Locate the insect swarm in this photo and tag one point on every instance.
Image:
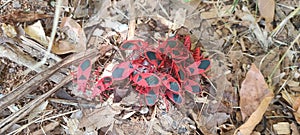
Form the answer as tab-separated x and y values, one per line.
166	71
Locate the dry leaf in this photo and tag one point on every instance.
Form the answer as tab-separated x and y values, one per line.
254	99
255	118
36	32
76	39
267	10
101	117
253	90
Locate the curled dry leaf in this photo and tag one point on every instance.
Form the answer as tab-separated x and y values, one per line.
254	99
36	32
76	39
267	10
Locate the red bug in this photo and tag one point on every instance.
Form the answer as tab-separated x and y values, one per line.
175	97
166	46
83	74
154	58
102	85
197	54
198	67
171	83
146	79
192	86
151	96
187	42
179	72
123	70
133	45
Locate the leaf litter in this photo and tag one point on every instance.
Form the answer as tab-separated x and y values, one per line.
245	46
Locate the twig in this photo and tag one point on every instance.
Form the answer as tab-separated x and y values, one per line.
53	33
34	82
151	121
5	3
15	117
131	24
20	58
38	47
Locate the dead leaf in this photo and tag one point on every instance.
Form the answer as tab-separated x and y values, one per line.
253	90
76	39
36	32
101	117
254	99
255	118
267	10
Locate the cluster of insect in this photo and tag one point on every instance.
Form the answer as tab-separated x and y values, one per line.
166	70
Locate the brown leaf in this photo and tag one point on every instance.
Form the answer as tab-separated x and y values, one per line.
267	10
76	40
101	117
255	118
253	90
254	99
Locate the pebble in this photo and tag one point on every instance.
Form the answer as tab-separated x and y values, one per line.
16	4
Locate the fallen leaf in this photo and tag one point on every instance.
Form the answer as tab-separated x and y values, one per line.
255	98
36	32
101	117
267	10
76	39
253	90
255	118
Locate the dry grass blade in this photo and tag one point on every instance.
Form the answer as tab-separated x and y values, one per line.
283	22
282	58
